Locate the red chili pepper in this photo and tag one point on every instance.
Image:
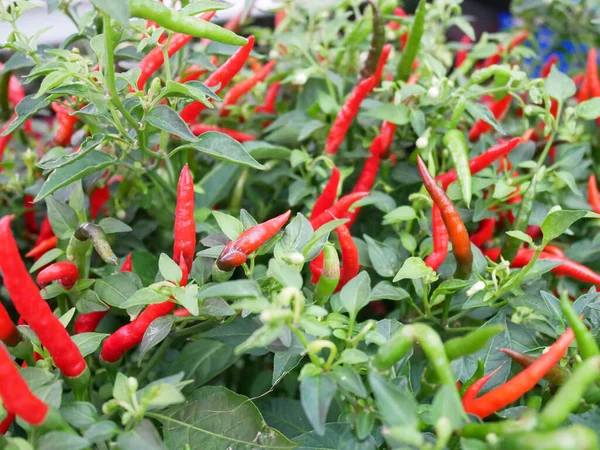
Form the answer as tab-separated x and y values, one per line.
499	110
7	422
398	12
473	391
222	76
181	312
280	16
461	55
554	250
350	257
385	53
155	58
567	268
518	39
88	322
548	66
270	98
192	73
583	93
329	194
98	198
8	331
388	130
440	239
199	128
236	252
592	73
43	247
593	194
461	244
45	231
16	396
65	273
245	86
482	161
347	114
130	335
66	124
29	214
34	309
521	383
338	210
185	223
484	233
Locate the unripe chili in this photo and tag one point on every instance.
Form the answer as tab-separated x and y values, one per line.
461	244
33	309
66	273
185	223
585	341
472	342
199	128
377	41
234	94
236	252
413	42
574	437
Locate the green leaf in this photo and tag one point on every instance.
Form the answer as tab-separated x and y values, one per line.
80	414
110	226
188	298
521	236
316	394
285	274
145	296
53	161
400	214
90	163
356	293
214	417
221	146
557	222
398	114
60	440
348	378
156	332
414	268
116	289
88	343
193	90
397	407
46	259
481	112
559	86
588	110
26	108
52	80
320	234
166	119
62	218
169	269
285	415
230	289
116	9
229	225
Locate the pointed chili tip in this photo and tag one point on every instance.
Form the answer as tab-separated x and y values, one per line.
7	219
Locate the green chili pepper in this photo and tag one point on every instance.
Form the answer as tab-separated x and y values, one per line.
472	342
482	75
507	427
91	231
330	275
512	244
413	43
175	21
455	141
585	341
569	396
377	42
575	437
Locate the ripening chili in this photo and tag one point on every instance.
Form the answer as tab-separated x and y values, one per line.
593	194
347	113
499	110
461	244
245	86
65	273
377	41
34	309
338	210
236	252
199	128
185	223
329	194
557	375
523	382
222	77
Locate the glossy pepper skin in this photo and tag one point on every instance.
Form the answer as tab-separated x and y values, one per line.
440	239
350	257
511	245
66	273
130	335
472	342
499	110
43	247
485	232
66	124
521	383
461	244
185	224
222	77
338	210
238	90
8	332
34	309
329	194
329	276
593	194
16	396
236	252
347	113
199	128
155	58
88	322
473	391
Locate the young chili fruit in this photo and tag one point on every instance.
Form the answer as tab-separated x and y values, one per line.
461	244
574	437
236	252
221	77
16	396
237	91
175	21
472	342
8	332
34	309
585	341
66	273
512	244
347	113
199	128
329	194
413	43
329	276
557	375
523	382
185	223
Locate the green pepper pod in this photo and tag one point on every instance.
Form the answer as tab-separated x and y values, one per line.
569	396
482	75
456	143
472	342
585	341
576	437
180	23
413	43
96	234
512	244
506	427
330	275
377	42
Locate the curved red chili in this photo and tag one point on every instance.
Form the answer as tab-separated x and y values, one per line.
43	247
222	77
8	331
473	391
388	130
234	94
499	110
66	124
329	194
485	232
440	239
338	210
185	223
350	257
385	53
236	252
200	128
593	194
65	273
34	309
548	66
347	113
270	99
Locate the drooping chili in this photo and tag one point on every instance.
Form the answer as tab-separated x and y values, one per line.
245	86
593	194
350	261
185	223
338	210
8	332
329	277
65	273
557	375
440	239
485	232
200	128
268	107
43	247
329	194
